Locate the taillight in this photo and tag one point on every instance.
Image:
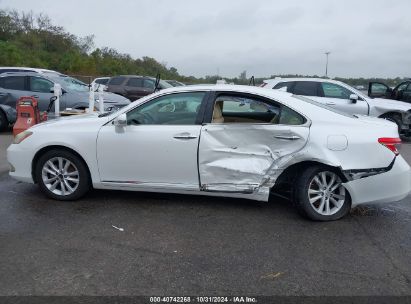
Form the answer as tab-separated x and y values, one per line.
390	143
263	84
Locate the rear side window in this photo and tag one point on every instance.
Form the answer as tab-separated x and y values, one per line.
290	117
116	80
306	88
135	82
250	109
13	83
285	86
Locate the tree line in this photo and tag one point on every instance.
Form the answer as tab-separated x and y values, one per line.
33	40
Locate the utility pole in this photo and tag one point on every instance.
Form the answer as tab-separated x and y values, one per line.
326	64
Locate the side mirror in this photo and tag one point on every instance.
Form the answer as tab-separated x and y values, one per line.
354	98
120	121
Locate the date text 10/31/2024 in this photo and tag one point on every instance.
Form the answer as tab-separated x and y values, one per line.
203	299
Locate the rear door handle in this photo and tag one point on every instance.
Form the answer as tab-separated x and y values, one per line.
35	96
184	135
287	137
330	103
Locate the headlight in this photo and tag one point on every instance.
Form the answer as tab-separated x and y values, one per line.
21	136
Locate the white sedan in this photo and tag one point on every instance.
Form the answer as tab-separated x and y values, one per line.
233	141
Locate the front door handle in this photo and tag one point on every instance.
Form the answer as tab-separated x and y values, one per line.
184	135
287	137
330	103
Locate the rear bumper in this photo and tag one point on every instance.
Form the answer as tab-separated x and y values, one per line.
391	186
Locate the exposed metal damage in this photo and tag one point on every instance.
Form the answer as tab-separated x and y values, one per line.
247	159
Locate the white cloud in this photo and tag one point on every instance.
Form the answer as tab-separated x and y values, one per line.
366	38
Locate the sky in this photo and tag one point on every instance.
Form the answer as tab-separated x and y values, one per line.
367	38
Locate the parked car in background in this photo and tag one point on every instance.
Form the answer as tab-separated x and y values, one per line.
41	86
342	97
381	90
175	83
233	141
134	87
100	82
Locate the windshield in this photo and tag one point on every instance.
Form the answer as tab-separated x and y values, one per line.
164	85
70	83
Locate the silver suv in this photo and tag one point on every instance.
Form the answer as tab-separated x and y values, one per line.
40	86
342	97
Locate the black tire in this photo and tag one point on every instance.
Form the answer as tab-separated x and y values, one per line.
302	199
397	120
4	123
83	176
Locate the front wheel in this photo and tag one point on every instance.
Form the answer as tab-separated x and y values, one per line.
320	195
62	175
4	123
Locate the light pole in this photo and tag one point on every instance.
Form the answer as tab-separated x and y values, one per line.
326	64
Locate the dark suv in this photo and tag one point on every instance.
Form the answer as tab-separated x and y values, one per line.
134	87
401	92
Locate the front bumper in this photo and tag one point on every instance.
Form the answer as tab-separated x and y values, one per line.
391	186
20	159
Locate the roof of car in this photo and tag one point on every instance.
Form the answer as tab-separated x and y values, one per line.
280	79
136	76
30	73
37	70
295	102
229	88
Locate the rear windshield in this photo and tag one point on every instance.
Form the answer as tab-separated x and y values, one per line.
318	104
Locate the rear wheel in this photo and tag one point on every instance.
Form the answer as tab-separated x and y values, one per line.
62	175
320	195
4	123
397	120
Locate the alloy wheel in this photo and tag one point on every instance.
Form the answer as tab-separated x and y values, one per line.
60	176
326	193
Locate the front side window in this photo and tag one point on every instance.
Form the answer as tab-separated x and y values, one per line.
173	109
306	88
249	109
332	90
38	84
149	83
13	83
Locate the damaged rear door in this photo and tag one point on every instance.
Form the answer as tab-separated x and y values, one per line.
248	137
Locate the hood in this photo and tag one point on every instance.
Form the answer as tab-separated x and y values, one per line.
113	98
109	98
85	119
389	104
